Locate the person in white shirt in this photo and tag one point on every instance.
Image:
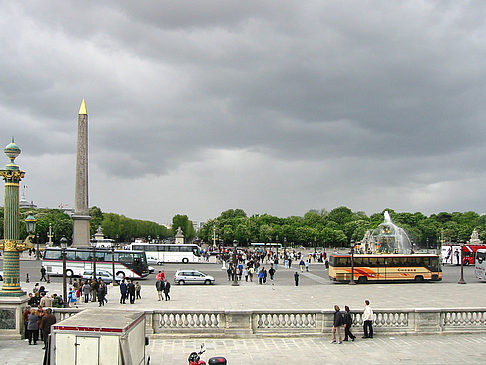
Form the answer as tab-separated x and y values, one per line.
368	320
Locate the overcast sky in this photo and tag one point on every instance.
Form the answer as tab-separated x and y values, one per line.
273	107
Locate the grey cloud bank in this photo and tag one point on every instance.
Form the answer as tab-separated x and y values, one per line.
279	107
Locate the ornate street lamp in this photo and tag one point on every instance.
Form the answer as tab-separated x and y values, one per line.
461	280
235	277
352	282
63	242
30	223
11	244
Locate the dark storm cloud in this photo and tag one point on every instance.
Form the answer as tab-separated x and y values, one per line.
356	87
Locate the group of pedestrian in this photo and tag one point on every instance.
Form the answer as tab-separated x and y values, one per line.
38	321
345	320
129	290
162	286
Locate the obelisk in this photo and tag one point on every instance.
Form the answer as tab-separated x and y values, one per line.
81	218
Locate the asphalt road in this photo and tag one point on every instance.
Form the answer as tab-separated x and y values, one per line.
283	276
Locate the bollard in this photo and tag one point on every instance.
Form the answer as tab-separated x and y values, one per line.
27	278
48	279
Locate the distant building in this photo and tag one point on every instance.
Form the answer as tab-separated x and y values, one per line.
24	203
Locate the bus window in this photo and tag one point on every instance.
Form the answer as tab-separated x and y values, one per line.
377	261
343	261
138	247
150	248
185	248
53	255
100	256
71	255
480	256
162	248
125	257
195	251
173	248
434	264
83	256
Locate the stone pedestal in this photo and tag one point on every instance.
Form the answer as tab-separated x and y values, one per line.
81	230
11	321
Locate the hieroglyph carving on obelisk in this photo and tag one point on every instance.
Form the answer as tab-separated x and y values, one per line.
81	218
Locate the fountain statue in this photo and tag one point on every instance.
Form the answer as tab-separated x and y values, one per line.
387	238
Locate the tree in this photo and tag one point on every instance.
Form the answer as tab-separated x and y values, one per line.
185	224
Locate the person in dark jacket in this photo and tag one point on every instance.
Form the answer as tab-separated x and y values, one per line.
101	292
46	322
123	292
131	291
166	289
348	322
336	325
296	278
159	285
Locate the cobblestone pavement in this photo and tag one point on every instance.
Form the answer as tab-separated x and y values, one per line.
433	349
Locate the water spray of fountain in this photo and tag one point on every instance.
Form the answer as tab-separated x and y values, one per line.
387	238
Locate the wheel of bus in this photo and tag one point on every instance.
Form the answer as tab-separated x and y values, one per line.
362	280
466	263
207	282
185	260
181	282
121	273
159	263
69	273
419	278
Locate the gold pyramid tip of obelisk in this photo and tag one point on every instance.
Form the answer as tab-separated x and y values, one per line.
82	108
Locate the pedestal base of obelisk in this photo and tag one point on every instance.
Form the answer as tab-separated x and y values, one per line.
81	230
11	321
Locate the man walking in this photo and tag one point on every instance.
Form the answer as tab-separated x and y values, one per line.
296	278
43	274
131	291
166	289
271	272
368	320
336	325
46	322
123	292
348	322
159	285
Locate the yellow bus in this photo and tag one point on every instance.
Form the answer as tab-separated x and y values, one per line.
385	267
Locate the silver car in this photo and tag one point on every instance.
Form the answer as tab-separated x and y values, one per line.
188	276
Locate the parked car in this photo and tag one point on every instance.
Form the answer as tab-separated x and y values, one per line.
105	275
186	276
153	261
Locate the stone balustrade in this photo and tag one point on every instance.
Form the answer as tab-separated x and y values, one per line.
278	323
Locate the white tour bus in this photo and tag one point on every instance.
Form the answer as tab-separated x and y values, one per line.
130	264
157	253
480	264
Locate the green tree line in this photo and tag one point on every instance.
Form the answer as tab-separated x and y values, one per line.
339	227
115	226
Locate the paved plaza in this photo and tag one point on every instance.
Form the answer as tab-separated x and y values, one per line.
436	349
316	294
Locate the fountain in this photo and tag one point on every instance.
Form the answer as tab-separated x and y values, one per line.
387	238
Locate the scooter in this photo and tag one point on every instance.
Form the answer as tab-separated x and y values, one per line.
195	358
